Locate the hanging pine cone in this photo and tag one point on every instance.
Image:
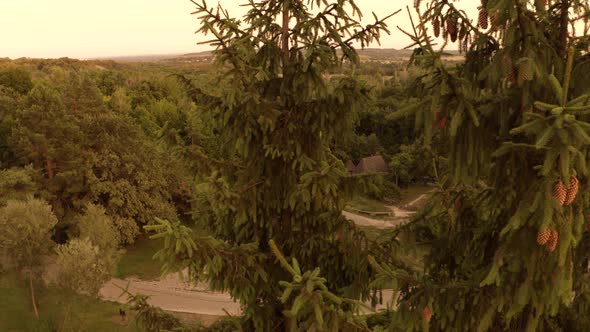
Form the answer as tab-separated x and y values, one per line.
524	72
482	20
572	191
494	21
559	192
426	314
452	28
543	236
553	241
512	75
436	27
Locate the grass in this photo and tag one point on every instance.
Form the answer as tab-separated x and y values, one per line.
138	259
363	203
82	313
411	193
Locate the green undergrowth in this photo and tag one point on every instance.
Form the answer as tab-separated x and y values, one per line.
58	311
362	203
138	259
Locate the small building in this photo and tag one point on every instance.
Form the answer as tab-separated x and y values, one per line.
350	166
373	164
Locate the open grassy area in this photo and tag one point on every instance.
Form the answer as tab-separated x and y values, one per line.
411	193
58	311
138	259
366	204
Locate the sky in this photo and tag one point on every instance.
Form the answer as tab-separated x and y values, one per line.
101	28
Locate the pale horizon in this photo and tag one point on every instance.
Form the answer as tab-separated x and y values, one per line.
115	28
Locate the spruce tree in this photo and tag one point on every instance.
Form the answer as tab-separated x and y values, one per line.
509	248
279	116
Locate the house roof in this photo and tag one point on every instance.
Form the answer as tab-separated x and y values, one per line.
373	164
350	166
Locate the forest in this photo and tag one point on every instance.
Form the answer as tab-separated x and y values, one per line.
306	179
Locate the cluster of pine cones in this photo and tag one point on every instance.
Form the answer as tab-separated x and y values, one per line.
485	19
549	237
521	73
450	27
566	196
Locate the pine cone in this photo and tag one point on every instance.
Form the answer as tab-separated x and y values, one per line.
559	192
462	32
494	21
553	241
452	28
572	191
512	75
483	18
508	68
426	314
436	27
543	236
524	72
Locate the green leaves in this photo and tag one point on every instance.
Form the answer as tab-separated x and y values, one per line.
312	306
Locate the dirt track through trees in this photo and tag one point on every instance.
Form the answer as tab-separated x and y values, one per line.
173	294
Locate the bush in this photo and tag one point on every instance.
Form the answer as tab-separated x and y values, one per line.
84	267
99	228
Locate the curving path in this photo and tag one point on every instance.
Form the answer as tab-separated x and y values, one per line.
173	294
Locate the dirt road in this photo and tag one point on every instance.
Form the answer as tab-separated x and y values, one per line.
172	294
368	221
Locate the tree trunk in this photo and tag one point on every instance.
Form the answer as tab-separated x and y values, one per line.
565	5
49	167
33	294
285	36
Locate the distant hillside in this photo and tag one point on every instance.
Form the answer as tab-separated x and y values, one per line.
138	58
368	54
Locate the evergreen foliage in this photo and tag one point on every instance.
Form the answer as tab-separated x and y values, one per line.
282	182
517	127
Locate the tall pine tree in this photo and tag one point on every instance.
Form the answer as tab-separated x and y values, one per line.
508	244
282	182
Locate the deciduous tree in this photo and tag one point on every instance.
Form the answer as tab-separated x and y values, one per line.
25	239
